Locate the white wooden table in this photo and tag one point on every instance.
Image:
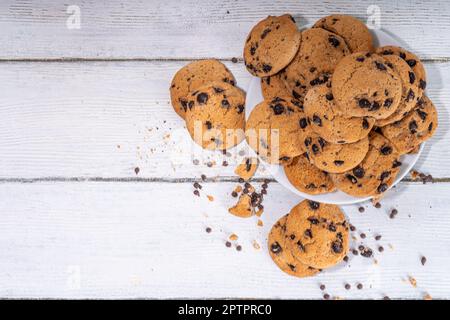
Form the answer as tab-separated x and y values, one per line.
81	108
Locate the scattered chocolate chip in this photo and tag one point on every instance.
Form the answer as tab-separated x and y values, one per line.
378	237
362	235
386	298
423	260
393	213
378	205
322	287
380	249
361	209
352	228
326	296
208	230
228	244
359	286
197	193
347	286
234	60
366	252
346	259
136	170
355	252
203	177
234	194
197	185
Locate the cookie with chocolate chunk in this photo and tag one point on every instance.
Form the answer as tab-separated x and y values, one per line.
410	89
336	158
418	126
274	86
280	254
271	45
215	116
375	174
412	60
317	234
194	75
326	119
355	33
308	178
363	85
275	128
315	61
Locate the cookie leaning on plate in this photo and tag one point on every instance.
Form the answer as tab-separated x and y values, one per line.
194	75
317	234
363	85
326	120
353	31
271	45
375	174
274	130
306	177
215	116
319	53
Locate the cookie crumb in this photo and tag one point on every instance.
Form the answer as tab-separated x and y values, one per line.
427	296
233	237
260	223
256	245
413	281
259	212
210	198
247	168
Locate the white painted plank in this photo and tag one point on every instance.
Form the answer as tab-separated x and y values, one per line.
133	240
173	29
94	120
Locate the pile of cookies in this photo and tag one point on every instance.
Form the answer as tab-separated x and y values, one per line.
205	95
311	237
343	111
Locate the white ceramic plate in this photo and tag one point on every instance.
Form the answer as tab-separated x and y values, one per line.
254	96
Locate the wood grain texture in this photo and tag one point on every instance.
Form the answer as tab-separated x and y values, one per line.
133	240
104	119
32	29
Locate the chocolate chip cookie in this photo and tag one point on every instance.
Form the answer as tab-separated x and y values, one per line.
418	125
375	174
308	178
317	234
319	53
353	31
410	89
327	120
411	59
274	86
274	129
215	116
271	45
280	254
194	75
335	158
363	85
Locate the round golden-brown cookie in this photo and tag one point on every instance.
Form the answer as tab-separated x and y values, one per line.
306	177
410	89
335	158
353	31
418	125
363	85
194	75
319	53
274	86
271	45
282	257
326	120
274	129
375	174
317	234
411	59
215	116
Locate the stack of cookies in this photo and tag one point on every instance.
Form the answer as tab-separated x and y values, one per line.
337	112
311	237
205	95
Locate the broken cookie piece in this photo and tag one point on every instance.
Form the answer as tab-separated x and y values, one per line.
243	207
247	168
